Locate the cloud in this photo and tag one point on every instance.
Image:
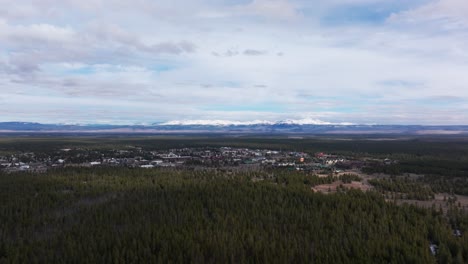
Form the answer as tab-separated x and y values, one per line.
448	99
228	53
36	33
31	45
235	52
447	14
146	61
400	83
116	35
253	52
282	9
172	48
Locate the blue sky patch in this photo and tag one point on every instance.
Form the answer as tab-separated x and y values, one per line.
162	67
371	14
87	70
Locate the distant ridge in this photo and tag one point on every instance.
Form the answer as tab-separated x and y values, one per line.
306	121
303	126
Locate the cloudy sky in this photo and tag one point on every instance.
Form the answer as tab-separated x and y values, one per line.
146	61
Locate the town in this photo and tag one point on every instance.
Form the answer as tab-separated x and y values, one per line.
63	182
205	157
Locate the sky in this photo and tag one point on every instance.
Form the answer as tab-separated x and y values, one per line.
149	61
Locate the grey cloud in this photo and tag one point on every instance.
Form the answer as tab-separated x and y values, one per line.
70	83
4	68
401	83
228	53
123	39
84	86
17	11
103	32
26	68
172	48
274	9
34	34
34	45
446	99
234	52
187	46
19	68
253	52
53	38
231	53
103	90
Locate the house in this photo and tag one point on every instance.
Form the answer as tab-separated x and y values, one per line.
319	155
434	248
157	162
24	167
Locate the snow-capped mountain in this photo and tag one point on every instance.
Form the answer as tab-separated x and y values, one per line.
310	121
214	123
291	126
307	121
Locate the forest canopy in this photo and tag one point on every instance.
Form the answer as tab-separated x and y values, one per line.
135	215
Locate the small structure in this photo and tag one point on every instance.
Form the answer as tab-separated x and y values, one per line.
24	167
434	248
157	162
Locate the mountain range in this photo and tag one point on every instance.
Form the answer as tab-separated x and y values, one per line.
303	126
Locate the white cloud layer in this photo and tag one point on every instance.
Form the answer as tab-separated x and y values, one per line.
358	61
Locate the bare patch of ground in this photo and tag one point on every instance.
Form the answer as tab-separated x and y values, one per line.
331	188
323	175
441	200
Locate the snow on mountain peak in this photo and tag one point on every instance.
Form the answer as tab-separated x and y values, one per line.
310	121
206	122
213	123
306	121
